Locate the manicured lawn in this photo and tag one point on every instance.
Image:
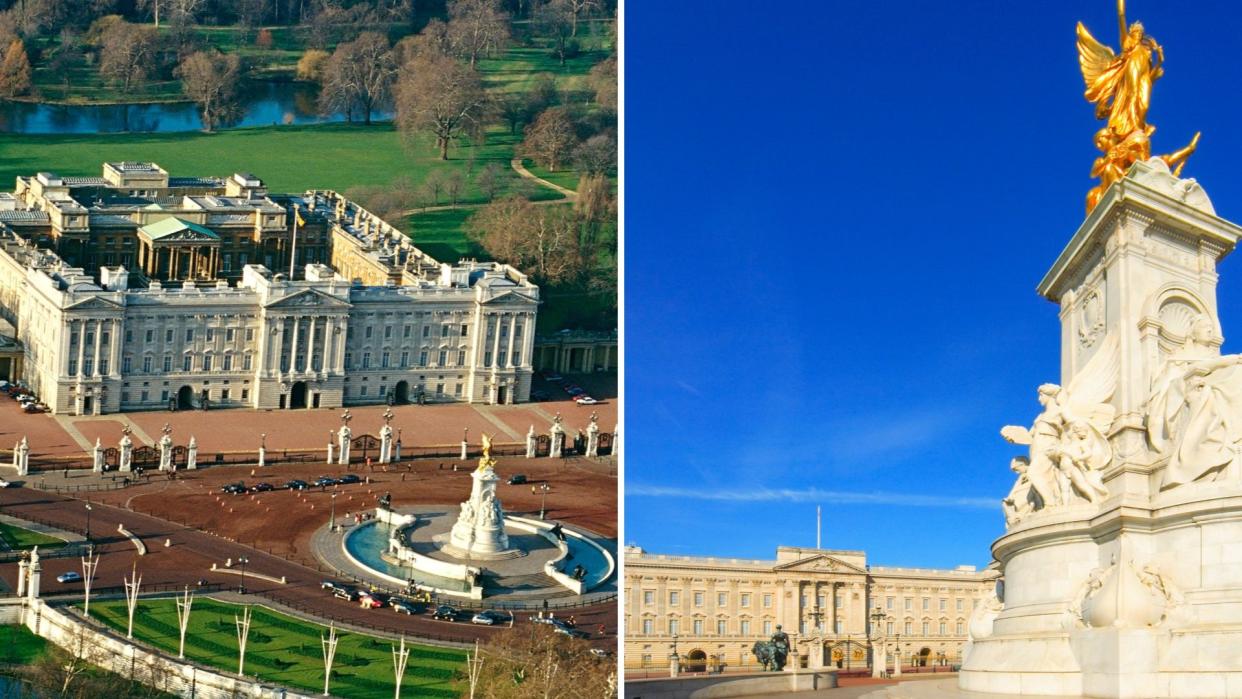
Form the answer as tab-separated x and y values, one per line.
440	234
19	646
288	651
287	158
19	538
566	177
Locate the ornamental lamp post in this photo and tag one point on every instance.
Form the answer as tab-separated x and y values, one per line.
88	524
243	561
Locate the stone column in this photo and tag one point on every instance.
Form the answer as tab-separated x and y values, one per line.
191	455
465	450
21	457
897	663
310	350
98	349
385	454
331	445
592	445
23	569
674	665
343	439
530	443
496	343
166	453
33	575
114	361
81	352
127	454
293	351
558	438
509	350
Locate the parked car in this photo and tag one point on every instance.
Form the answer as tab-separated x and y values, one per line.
401	606
33	407
370	600
574	390
297	485
346	593
261	487
324	481
489	618
237	488
5	484
567	630
517	479
70	577
444	613
328	585
552	376
585	400
601	652
349	478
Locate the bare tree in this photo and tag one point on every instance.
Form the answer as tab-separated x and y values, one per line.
489	180
603	80
127	53
359	73
453	184
67	57
580	9
550	666
597	155
543	239
210	79
433	184
557	21
441	96
477	28
551	138
432	40
15	70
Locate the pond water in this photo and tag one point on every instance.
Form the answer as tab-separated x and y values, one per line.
368	541
264	103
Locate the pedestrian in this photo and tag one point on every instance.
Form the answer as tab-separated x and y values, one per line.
601	629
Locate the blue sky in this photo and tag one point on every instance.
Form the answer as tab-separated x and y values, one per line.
836	216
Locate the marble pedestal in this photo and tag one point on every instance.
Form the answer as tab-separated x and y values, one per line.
480	529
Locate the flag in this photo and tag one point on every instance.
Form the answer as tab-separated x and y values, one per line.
298	213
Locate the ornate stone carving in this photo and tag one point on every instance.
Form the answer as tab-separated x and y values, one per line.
1123	595
1091	318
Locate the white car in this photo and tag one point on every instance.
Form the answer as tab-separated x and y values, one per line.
71	576
5	484
586	400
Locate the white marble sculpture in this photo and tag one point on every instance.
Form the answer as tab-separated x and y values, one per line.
343	436
191	455
558	436
1120	556
21	457
480	528
97	457
592	445
385	454
530	442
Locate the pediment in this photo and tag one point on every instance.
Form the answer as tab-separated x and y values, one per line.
187	235
820	563
510	298
95	303
308	298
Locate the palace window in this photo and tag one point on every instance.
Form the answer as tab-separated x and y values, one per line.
406	333
767	627
246	362
245	394
909	604
229	335
422	358
767	600
722	599
648	597
349	360
189	334
464	329
168	335
384	360
366	360
959	628
517	359
673	627
943	604
88	366
698	599
889	629
368	332
211	335
909	628
698	627
442	359
647	627
167	363
249	334
206	362
487	359
721	627
405	359
674	598
387	332
103	367
228	362
461	358
745	599
126	364
926	604
501	361
150	336
888	603
944	631
73	367
959	604
439	389
745	627
426	331
129	335
185	362
144	396
444	331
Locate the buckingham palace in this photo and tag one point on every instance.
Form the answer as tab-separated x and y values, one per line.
831	602
137	291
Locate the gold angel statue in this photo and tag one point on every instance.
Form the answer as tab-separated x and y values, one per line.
1120	87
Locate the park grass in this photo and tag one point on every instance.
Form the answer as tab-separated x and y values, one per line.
286	650
287	158
19	645
19	538
565	177
441	234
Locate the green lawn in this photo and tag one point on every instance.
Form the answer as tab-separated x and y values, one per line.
19	646
18	538
566	177
287	158
440	234
287	651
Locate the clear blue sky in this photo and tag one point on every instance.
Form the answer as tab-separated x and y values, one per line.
836	216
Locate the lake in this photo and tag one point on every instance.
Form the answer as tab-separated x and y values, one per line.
265	104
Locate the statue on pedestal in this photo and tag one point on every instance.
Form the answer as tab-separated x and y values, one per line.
166	449
127	450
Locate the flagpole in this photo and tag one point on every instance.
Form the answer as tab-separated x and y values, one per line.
293	250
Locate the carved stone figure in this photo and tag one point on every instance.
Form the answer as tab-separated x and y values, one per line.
1082	454
1192	410
1023	499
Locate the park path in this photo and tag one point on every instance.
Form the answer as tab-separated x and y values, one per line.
521	170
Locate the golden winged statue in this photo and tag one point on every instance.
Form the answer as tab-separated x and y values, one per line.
1119	85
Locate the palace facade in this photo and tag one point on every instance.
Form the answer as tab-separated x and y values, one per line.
137	290
826	600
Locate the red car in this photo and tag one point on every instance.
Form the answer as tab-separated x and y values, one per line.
370	600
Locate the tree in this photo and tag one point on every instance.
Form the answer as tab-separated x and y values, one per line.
15	70
432	40
551	138
488	180
67	57
579	9
433	184
556	20
439	95
210	79
127	52
549	665
453	185
603	80
477	27
543	239
359	73
597	155
311	65
264	39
